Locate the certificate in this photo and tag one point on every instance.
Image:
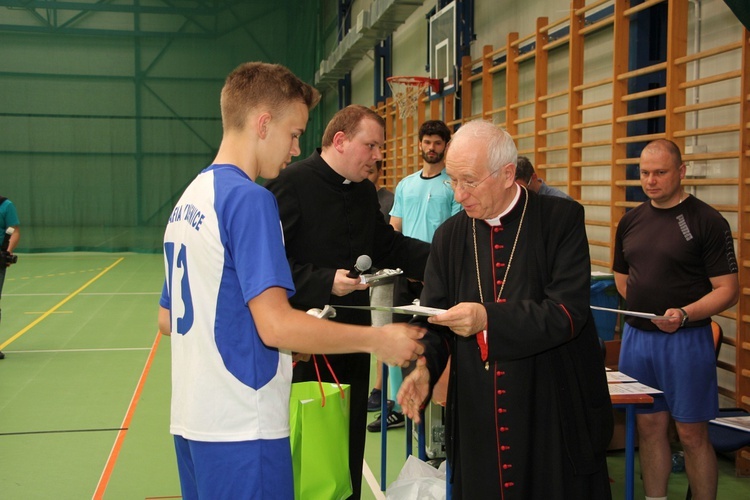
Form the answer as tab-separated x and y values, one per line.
630	313
408	309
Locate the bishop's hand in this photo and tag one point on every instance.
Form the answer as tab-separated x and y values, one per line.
465	319
414	391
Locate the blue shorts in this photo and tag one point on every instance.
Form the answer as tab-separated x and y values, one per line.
681	364
259	469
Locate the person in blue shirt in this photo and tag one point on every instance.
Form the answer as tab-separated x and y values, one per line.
423	201
8	219
525	176
385	196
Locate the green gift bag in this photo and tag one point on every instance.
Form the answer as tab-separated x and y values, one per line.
319	435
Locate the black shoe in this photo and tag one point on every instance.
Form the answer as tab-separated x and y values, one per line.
373	402
394	420
2	356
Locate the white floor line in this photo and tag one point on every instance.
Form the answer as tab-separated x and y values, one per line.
90	293
371	481
33	294
36	351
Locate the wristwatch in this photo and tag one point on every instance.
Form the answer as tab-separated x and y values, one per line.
685	317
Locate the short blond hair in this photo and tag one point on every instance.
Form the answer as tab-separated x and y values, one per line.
255	84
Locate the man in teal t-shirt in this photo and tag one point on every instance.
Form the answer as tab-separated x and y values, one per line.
423	201
8	218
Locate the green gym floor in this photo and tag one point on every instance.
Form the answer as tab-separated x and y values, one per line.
84	388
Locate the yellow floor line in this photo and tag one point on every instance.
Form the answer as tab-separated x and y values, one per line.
58	305
44	312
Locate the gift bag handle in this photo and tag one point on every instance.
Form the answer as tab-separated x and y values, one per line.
320	382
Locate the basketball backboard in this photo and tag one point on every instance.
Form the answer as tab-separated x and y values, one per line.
443	45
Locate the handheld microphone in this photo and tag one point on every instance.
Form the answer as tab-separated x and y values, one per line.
364	262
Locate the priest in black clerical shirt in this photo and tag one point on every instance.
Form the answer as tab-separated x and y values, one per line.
330	216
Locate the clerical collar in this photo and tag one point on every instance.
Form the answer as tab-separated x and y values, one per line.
328	172
496	221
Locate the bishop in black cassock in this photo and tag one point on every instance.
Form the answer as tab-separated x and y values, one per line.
528	410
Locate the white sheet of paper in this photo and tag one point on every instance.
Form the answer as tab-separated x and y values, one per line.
614	376
742	423
422	310
408	309
632	388
629	313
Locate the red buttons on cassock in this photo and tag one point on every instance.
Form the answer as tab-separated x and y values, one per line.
499	282
498	246
498	264
501	391
507	466
508	484
497	229
500	373
502	410
503	429
504	448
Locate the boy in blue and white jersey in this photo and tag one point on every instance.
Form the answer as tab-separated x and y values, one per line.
225	301
217	264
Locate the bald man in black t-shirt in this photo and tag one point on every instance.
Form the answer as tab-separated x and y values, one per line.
674	257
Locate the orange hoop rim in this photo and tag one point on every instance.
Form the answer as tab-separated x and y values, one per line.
434	83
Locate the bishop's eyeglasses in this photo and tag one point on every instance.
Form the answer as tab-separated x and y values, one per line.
466	185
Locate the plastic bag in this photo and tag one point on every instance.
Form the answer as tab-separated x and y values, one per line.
418	479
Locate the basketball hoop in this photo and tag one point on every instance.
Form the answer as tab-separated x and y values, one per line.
406	91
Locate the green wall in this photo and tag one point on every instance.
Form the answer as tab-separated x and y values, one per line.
106	115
